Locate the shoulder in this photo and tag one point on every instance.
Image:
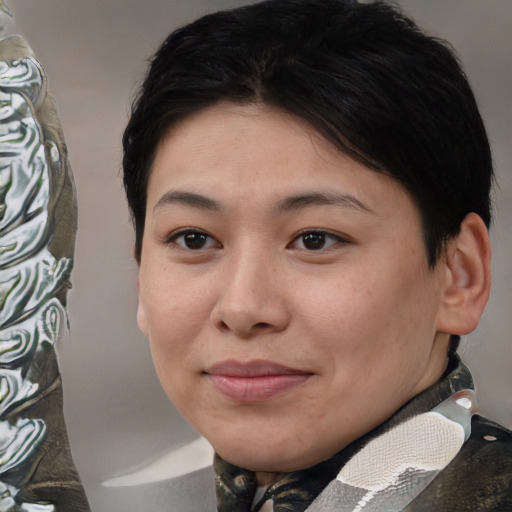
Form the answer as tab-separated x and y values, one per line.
489	437
486	458
478	479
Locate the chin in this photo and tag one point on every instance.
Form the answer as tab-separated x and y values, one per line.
269	454
260	462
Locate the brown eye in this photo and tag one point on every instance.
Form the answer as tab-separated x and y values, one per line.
315	240
193	240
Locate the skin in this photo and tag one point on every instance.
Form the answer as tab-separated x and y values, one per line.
335	286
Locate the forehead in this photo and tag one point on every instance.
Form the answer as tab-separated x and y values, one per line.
261	154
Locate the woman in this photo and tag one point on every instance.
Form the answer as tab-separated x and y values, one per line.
309	183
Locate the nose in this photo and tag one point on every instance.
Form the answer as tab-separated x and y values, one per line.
251	297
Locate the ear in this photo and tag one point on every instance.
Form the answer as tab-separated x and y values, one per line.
467	280
142	320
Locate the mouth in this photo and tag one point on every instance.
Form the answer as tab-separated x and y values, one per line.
254	381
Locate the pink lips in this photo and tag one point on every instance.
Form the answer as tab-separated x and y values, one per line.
255	381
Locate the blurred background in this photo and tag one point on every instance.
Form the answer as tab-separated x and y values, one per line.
95	53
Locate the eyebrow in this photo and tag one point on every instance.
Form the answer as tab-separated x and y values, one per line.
288	204
321	198
188	199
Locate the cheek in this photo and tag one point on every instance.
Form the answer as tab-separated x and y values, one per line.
342	307
175	314
364	311
175	322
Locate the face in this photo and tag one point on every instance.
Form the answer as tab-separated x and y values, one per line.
284	288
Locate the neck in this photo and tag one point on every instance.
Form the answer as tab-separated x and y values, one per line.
266	479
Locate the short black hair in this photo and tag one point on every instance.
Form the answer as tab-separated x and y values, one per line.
362	74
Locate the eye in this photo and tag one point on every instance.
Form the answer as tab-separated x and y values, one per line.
193	239
316	240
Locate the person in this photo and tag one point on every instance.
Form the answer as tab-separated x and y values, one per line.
309	183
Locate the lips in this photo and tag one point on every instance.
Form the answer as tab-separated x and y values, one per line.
255	381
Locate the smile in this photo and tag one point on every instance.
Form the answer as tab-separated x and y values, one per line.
255	381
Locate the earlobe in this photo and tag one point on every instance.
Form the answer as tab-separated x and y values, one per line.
467	280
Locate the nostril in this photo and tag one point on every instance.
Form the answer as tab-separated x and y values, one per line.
248	319
261	325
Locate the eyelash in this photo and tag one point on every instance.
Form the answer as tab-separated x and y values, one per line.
316	236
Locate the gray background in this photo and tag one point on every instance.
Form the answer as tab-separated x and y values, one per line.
94	52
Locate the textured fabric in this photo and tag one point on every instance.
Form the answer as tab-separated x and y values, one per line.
394	468
478	479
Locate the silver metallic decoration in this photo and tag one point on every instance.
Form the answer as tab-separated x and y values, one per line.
37	236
